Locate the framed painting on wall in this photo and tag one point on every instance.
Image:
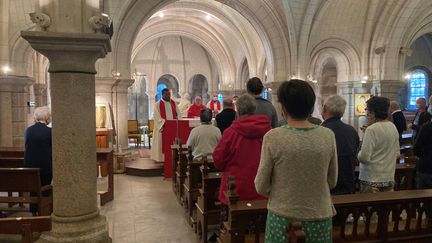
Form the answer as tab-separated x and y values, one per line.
360	104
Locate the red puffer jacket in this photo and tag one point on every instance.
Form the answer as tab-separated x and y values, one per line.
238	153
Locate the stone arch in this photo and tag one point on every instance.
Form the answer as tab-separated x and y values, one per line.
346	57
275	44
243	73
199	86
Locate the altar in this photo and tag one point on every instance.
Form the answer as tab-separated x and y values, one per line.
172	128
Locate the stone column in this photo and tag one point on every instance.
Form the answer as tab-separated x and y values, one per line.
274	86
14	94
108	90
388	88
72	59
152	94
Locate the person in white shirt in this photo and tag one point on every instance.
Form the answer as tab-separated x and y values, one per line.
165	109
204	138
379	150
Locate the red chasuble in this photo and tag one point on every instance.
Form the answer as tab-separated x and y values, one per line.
194	110
218	105
163	112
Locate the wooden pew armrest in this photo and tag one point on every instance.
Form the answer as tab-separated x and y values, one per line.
46	188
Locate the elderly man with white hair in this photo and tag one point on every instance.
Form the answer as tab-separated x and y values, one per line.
347	142
38	147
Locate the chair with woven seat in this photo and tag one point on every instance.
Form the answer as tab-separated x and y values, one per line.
134	132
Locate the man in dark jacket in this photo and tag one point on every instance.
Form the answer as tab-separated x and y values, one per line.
38	147
421	117
264	107
227	116
398	118
423	150
347	143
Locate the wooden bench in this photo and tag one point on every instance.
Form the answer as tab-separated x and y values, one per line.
402	216
24	181
25	226
208	204
405	175
179	175
11	157
192	184
246	219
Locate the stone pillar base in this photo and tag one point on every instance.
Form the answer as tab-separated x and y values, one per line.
93	230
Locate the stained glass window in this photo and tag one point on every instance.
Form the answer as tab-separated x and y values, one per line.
160	87
417	87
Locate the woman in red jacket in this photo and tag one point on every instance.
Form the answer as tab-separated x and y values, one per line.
239	150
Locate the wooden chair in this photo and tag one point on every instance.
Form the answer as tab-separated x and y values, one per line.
150	125
134	132
25	226
24	181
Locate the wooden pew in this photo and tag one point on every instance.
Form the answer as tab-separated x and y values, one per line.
11	157
25	226
246	219
402	216
104	157
184	155
208	205
404	176
24	181
191	188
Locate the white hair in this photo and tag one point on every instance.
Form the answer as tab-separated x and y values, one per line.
246	105
42	113
335	105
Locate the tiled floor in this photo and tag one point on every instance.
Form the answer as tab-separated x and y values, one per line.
145	210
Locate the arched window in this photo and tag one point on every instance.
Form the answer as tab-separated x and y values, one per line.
417	87
220	96
160	87
265	94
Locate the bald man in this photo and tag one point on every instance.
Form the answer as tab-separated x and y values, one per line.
421	117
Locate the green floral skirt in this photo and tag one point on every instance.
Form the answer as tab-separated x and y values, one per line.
315	231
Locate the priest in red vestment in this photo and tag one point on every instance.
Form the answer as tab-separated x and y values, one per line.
165	109
196	107
214	105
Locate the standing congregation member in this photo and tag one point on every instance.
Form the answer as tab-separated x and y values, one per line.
423	150
196	107
214	105
380	148
298	168
264	107
204	138
227	116
347	143
398	118
239	149
165	109
421	117
38	148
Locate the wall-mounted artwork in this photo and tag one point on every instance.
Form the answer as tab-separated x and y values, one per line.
100	116
360	104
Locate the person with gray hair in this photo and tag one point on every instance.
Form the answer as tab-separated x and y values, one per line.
38	148
239	150
204	138
227	116
347	143
398	118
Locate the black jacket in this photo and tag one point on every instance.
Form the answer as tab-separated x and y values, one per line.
38	147
423	118
423	149
225	118
347	143
400	122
